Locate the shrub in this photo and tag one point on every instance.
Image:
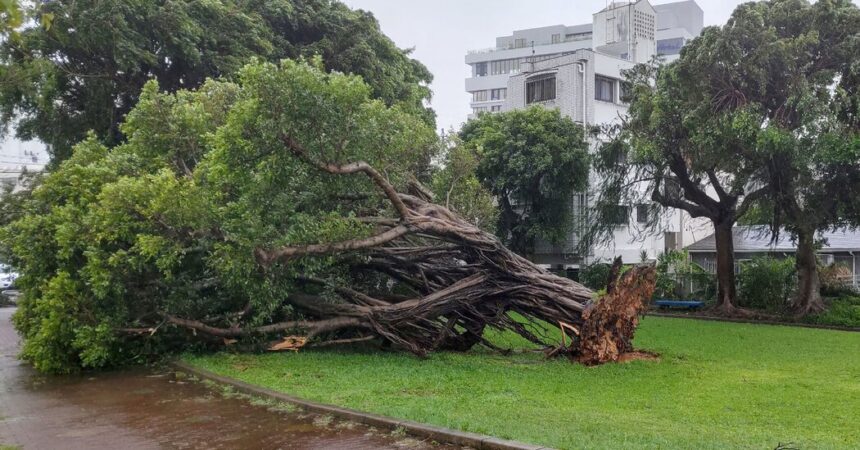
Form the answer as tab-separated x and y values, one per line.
676	273
766	283
843	311
595	275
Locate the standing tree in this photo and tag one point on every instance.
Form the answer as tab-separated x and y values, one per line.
764	106
671	149
86	69
785	74
533	161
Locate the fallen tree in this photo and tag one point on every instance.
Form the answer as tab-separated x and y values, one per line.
280	211
464	281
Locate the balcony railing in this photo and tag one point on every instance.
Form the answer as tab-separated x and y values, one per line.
536	44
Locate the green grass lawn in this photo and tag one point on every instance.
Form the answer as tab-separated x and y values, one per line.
718	386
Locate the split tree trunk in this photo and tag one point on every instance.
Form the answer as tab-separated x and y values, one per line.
807	299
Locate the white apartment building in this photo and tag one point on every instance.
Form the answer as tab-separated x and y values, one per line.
578	70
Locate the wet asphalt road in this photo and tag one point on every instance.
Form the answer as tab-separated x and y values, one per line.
143	409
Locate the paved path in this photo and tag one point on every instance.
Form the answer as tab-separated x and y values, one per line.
149	410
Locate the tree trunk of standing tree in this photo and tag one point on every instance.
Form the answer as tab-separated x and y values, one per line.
807	299
726	288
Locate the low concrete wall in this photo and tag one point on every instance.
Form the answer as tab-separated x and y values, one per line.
439	434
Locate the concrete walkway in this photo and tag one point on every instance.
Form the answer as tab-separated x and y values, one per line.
149	410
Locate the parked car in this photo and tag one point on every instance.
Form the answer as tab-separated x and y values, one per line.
7	280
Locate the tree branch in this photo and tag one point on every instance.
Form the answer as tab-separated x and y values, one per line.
313	328
715	182
351	168
750	199
347	293
266	258
693	209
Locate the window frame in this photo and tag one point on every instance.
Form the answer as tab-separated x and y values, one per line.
622	216
541	88
642	213
481	65
612	81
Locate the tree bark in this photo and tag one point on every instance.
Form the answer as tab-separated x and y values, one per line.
726	287
807	299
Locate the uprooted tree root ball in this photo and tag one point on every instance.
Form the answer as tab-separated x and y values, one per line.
466	282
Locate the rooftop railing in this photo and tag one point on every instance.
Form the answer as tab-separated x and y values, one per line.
536	44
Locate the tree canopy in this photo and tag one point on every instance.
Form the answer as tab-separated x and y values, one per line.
785	72
456	186
167	223
532	161
85	71
739	119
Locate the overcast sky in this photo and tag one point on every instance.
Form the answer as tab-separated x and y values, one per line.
441	31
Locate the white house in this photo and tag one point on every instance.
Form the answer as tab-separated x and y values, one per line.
579	71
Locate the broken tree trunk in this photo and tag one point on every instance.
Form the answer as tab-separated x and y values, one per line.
463	279
609	323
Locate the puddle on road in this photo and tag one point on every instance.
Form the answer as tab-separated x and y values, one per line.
143	409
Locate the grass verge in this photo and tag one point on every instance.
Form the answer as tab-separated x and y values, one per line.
718	385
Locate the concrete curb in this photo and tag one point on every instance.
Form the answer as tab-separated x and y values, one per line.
439	434
753	321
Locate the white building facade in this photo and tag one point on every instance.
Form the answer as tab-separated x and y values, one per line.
578	70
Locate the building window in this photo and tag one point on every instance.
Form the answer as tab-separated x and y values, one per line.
496	108
479	109
556	38
479	96
670	46
481	69
642	213
504	66
519	43
499	94
604	89
619	215
540	88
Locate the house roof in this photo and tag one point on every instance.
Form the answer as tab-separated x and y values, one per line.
756	239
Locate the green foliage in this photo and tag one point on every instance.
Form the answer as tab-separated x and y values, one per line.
709	372
595	275
457	187
532	161
76	74
676	274
766	283
11	16
167	223
841	311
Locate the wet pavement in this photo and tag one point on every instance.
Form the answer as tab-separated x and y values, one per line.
145	409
